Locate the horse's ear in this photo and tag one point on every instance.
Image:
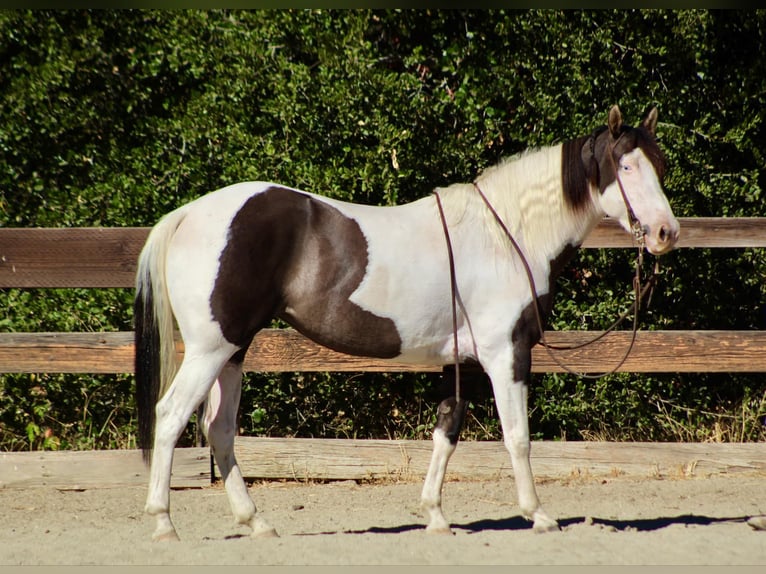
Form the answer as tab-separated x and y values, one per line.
615	121
650	121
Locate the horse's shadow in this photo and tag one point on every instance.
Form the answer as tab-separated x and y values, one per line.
638	524
520	523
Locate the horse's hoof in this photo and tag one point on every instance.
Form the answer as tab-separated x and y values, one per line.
439	529
168	536
541	526
757	522
265	533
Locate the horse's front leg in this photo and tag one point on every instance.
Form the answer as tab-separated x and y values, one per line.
509	382
449	420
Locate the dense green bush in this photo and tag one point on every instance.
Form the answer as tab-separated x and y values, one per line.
114	118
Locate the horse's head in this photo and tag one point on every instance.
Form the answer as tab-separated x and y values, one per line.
628	166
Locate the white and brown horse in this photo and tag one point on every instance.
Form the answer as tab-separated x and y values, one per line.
375	281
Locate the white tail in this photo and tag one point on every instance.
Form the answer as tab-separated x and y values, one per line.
154	326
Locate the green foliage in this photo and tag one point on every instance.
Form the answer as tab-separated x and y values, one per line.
116	117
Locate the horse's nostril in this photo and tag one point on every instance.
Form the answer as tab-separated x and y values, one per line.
667	234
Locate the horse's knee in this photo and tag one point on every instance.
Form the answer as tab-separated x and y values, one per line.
221	432
517	446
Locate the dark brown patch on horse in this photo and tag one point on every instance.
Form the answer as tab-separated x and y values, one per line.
526	332
585	161
450	416
474	386
291	256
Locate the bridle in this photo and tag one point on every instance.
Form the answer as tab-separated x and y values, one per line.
640	291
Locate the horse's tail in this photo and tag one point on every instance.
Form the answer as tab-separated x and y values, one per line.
155	363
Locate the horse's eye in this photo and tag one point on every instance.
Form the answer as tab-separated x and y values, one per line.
626	167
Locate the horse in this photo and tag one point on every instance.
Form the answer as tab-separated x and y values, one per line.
373	281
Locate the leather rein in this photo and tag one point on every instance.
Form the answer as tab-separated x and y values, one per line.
640	290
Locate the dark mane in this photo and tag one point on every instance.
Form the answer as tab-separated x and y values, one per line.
574	177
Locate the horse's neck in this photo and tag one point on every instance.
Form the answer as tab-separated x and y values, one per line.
528	194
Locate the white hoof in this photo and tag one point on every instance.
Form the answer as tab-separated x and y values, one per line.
166	536
543	524
440	529
262	529
164	531
266	533
757	522
437	524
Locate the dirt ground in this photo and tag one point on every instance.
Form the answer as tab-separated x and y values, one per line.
604	521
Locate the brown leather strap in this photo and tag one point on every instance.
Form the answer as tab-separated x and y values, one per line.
453	289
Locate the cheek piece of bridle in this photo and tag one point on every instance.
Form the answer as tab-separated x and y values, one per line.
638	231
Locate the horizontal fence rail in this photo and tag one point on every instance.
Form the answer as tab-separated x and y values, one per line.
309	459
285	350
106	256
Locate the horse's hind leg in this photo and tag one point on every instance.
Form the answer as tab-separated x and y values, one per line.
220	426
449	421
194	379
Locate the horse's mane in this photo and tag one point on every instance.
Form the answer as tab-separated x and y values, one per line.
533	192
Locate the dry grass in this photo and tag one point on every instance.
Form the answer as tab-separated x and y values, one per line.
746	424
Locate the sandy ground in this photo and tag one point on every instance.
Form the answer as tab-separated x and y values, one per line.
604	521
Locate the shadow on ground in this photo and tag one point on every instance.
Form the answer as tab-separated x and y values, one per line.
520	523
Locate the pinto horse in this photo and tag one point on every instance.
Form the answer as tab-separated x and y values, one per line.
374	281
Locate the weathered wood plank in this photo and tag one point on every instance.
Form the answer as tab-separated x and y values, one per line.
323	459
280	350
81	352
107	256
70	257
285	350
328	459
713	232
98	469
657	351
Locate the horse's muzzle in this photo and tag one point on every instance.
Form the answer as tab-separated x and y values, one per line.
663	237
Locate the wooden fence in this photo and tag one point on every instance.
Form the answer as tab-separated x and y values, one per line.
106	257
